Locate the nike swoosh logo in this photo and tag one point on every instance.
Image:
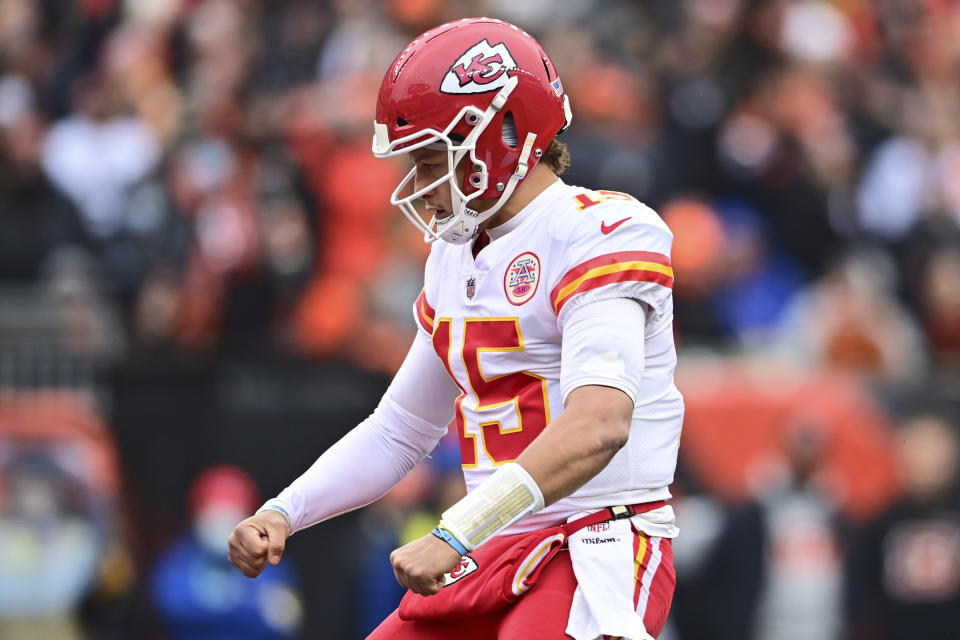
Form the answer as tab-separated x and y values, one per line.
608	228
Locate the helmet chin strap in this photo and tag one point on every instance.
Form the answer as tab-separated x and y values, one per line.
466	232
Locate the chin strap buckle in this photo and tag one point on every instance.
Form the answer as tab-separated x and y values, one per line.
522	167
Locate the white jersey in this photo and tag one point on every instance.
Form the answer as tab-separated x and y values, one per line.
496	322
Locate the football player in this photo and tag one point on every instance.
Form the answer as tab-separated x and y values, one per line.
545	336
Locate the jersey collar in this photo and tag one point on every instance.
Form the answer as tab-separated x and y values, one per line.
535	205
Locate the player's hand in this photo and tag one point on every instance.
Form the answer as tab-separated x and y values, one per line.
420	565
257	540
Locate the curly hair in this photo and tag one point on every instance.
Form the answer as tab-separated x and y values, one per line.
557	157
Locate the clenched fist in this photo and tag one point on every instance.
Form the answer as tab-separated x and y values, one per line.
420	565
257	540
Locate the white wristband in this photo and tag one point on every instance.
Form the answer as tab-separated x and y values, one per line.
505	497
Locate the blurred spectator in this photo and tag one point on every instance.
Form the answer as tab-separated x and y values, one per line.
802	589
124	147
699	263
736	283
907	569
895	188
719	563
195	594
52	538
88	324
34	218
63	551
850	320
363	40
940	305
760	278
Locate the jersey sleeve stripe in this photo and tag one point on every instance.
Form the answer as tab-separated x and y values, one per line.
624	275
608	259
425	313
640	266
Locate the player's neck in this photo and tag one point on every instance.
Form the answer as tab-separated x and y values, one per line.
539	179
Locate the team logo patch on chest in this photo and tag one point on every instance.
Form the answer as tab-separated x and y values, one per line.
521	278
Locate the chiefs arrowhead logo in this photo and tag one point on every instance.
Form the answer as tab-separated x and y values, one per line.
467	566
482	68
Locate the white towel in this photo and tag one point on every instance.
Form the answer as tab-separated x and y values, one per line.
603	563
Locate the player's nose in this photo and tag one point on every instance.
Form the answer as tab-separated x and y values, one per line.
420	182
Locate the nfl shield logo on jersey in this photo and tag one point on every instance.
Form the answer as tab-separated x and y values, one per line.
471	287
521	278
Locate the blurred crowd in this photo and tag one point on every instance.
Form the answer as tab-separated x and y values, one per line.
191	181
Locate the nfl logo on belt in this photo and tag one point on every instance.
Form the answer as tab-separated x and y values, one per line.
471	287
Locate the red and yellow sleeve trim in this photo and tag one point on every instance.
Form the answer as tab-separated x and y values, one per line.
625	266
425	313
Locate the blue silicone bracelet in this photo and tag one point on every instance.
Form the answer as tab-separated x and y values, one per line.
448	537
280	510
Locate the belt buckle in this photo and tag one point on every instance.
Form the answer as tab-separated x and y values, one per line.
620	512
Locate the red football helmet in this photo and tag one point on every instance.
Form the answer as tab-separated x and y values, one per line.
476	87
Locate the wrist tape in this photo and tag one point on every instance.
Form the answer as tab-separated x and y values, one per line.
505	497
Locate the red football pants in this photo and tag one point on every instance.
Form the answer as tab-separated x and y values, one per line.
542	612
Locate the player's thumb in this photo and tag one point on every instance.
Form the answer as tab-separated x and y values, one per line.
276	541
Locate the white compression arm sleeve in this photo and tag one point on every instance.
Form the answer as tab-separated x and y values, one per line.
369	460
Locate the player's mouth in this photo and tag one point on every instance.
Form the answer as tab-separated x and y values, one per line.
439	213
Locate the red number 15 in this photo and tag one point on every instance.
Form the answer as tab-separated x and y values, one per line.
527	392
